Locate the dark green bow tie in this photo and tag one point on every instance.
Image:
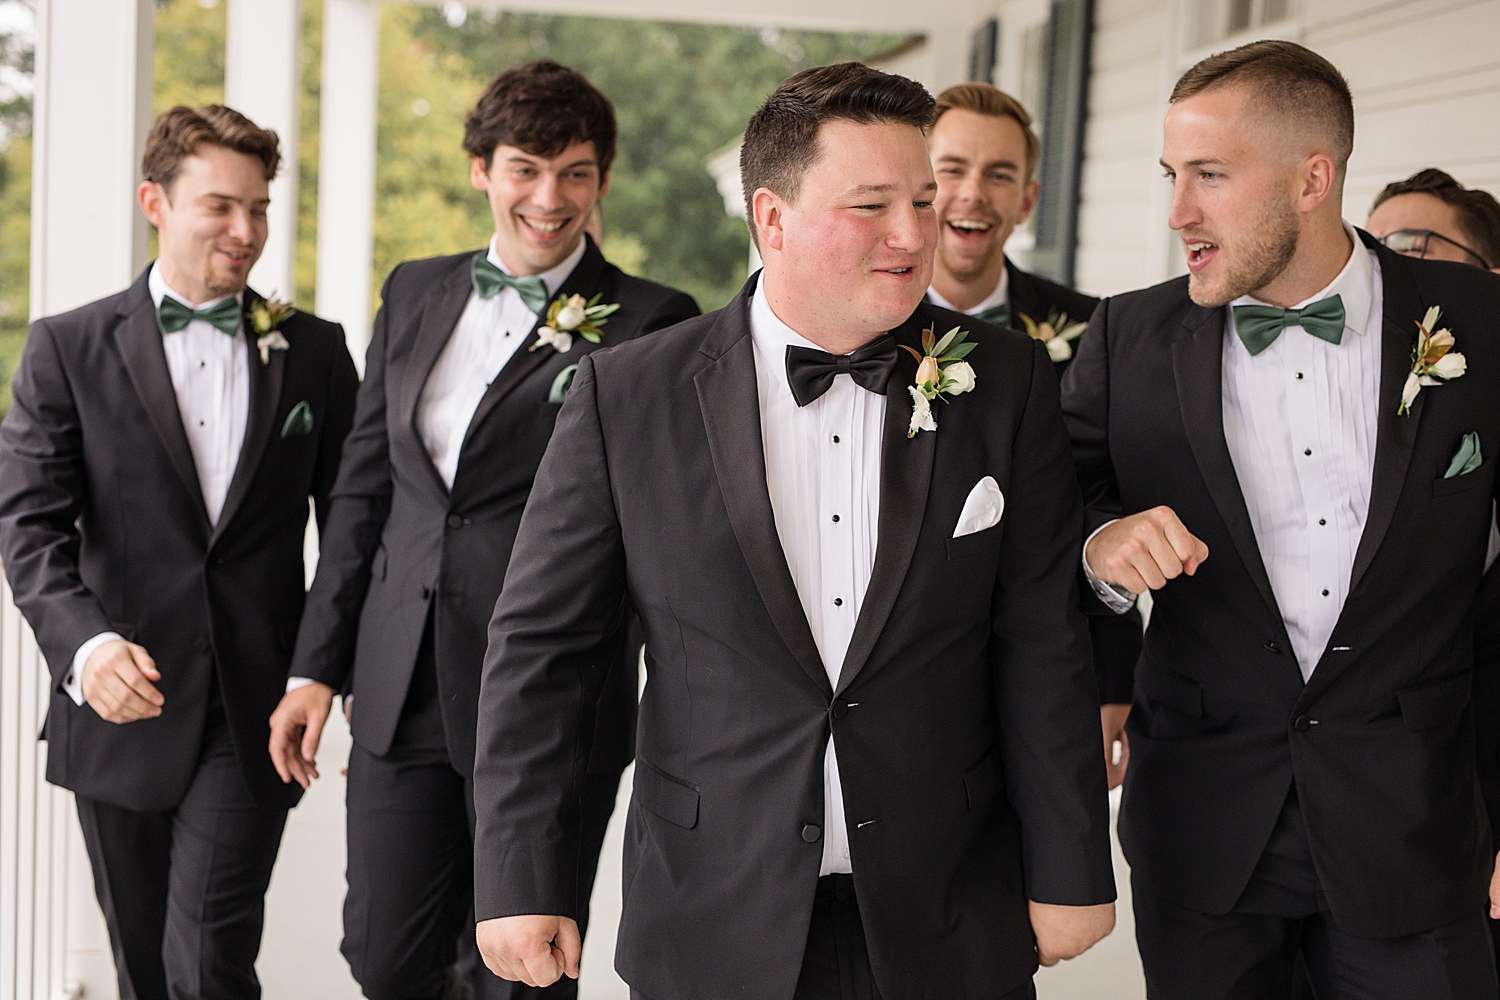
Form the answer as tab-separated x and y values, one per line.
173	315
1259	326
489	280
998	315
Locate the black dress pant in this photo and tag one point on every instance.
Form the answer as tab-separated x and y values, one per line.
409	914
1280	942
184	892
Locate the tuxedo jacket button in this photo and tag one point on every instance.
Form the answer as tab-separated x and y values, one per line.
1302	724
811	832
426	593
454	521
840	709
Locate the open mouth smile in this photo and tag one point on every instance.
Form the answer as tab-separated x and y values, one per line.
969	229
1200	253
544	228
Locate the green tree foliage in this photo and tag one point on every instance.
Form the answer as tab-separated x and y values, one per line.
17	59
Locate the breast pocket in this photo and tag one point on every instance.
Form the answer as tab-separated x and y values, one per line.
975	544
1480	477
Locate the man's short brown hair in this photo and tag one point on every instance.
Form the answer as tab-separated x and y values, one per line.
781	141
179	133
543	108
1477	210
992	102
1288	81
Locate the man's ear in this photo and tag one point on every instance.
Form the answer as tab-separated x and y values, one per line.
479	175
1319	179
769	214
604	185
1029	199
152	198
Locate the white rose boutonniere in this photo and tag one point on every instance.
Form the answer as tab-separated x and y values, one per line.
941	372
1433	360
265	318
1057	333
573	314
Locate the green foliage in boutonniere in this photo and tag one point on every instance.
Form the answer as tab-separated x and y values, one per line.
570	315
1433	360
1057	333
941	372
266	317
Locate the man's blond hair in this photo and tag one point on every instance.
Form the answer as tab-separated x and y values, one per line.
992	102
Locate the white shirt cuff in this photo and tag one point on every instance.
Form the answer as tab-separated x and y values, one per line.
293	683
1117	599
72	684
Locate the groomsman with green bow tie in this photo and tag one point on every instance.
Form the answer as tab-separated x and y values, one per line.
155	471
471	358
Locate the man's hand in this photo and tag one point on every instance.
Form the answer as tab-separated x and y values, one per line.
1495	891
296	728
534	950
1112	719
117	680
1064	932
1143	551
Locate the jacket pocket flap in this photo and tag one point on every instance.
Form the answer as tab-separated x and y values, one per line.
983	781
1463	483
1169	688
1436	702
672	800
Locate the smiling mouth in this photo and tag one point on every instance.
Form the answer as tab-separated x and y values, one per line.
544	227
970	228
237	256
1199	254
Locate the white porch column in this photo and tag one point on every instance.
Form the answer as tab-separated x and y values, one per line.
263	81
88	239
346	166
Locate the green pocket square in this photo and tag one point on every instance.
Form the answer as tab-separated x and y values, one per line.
561	384
299	421
1467	458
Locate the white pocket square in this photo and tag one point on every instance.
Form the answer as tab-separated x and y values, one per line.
983	508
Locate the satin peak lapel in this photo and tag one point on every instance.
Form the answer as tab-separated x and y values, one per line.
905	473
140	346
439	317
730	401
265	397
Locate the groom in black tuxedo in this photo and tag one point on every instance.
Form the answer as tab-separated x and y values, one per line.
471	358
1255	446
155	470
868	759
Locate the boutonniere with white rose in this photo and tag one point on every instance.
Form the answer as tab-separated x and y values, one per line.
1057	333
266	318
1433	360
572	314
941	372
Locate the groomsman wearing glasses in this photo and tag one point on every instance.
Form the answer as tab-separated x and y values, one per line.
155	470
471	358
984	156
1431	215
1294	447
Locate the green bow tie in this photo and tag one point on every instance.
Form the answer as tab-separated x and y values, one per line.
489	280
1259	326
998	315
173	315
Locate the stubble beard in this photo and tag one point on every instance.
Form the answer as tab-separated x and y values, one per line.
1268	249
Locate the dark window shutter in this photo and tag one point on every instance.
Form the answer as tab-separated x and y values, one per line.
984	48
1063	116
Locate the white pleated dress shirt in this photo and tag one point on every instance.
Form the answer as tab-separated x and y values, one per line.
999	297
823	475
211	379
488	333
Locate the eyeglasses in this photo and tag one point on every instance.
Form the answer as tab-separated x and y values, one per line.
1417	243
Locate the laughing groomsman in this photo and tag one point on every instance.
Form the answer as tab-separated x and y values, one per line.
471	359
984	156
1294	447
155	470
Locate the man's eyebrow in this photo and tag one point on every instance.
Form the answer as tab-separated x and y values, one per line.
587	161
1202	161
229	197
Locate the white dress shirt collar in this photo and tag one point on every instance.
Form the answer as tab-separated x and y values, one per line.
554	277
158	287
772	337
1355	286
1000	296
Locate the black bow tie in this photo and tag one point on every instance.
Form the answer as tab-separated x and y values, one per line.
810	372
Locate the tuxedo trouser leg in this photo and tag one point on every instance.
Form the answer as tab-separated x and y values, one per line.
130	853
1456	962
224	847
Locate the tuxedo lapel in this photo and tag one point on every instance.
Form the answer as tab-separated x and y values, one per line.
438	321
730	401
1197	364
905	472
140	346
265	397
1395	436
1023	297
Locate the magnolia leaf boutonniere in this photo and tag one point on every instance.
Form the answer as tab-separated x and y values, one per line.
1433	360
266	318
569	315
1057	333
941	372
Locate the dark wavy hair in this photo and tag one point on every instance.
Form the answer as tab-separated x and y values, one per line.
178	133
543	108
1478	211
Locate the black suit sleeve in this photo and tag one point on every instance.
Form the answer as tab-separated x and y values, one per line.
562	597
1487	696
357	507
1045	691
343	386
43	491
1085	404
673	309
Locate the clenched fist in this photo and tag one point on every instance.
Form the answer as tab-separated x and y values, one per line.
1143	551
117	683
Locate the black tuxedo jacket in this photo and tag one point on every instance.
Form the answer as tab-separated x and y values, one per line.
1380	741
399	542
965	712
103	528
1039	298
